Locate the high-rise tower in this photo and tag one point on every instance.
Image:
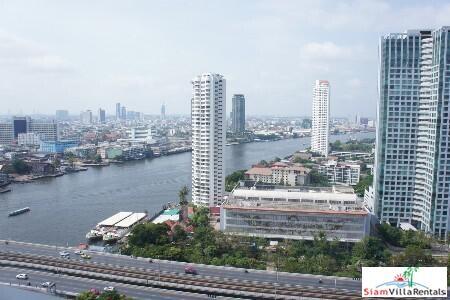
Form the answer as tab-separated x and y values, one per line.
320	117
238	113
412	158
208	114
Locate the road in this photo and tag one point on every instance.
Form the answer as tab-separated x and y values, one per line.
77	284
177	267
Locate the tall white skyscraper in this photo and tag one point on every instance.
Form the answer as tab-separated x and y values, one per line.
320	117
208	114
412	157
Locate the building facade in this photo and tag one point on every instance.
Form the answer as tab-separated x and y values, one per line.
280	173
86	117
320	117
238	113
208	115
118	111
341	172
28	139
295	214
57	146
101	116
62	115
412	157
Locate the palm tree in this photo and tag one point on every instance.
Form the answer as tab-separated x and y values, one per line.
182	195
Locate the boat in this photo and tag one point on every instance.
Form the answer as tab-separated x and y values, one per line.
94	235
111	237
19	211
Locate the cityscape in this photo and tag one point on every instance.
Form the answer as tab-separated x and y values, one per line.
219	189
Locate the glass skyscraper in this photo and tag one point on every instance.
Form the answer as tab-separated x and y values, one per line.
412	173
238	113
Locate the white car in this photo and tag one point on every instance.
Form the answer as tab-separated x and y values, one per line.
22	276
47	284
78	252
109	289
64	254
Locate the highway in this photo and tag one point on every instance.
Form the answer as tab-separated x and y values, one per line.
177	267
77	284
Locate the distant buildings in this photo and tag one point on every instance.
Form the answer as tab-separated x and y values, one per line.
141	133
238	113
280	174
295	213
86	117
62	115
57	146
412	158
341	172
163	112
208	115
118	111
101	116
320	117
46	130
28	139
123	113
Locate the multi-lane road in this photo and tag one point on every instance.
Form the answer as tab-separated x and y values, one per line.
311	282
205	270
78	284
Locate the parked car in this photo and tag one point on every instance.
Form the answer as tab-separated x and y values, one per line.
22	276
78	252
190	270
64	254
47	284
109	289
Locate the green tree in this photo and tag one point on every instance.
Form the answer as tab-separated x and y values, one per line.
233	179
413	256
98	158
317	179
182	194
149	233
369	250
363	184
20	166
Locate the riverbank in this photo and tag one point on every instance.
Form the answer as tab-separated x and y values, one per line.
64	210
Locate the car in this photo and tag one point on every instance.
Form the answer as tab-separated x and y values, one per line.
320	281
64	254
78	252
47	284
22	276
190	270
109	289
85	256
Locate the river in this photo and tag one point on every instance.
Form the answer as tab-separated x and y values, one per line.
63	209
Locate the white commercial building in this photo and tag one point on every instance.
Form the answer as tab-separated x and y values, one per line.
341	172
141	133
320	117
28	139
208	114
412	157
295	213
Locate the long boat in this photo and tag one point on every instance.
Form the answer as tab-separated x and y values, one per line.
19	211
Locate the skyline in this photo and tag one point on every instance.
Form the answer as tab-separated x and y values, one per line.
135	54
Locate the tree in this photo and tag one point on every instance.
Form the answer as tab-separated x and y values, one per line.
149	233
20	166
413	256
263	163
182	194
363	184
98	158
370	250
317	179
233	179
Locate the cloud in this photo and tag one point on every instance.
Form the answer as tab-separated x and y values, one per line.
329	51
20	54
354	83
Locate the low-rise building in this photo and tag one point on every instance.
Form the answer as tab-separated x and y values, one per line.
345	173
295	213
57	146
28	139
280	173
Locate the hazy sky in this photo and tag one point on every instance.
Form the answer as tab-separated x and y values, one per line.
88	54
